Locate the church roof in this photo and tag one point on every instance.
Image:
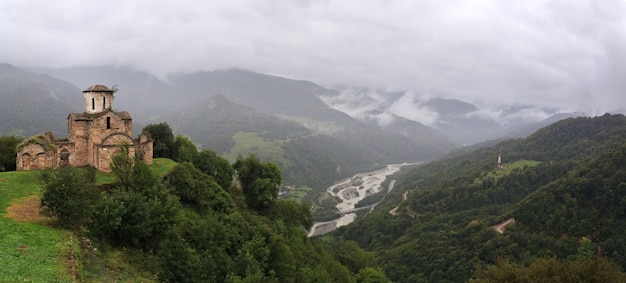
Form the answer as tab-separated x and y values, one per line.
98	88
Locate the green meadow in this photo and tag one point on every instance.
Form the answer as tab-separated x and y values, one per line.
30	252
250	142
507	168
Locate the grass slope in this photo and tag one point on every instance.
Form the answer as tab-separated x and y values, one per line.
35	252
251	142
30	252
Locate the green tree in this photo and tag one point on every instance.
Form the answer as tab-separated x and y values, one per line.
292	213
181	262
163	139
122	165
585	250
7	152
351	255
198	189
139	210
183	149
371	275
215	166
259	182
68	194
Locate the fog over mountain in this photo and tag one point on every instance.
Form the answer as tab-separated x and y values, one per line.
492	54
462	122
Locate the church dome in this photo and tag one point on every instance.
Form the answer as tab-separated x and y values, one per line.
98	88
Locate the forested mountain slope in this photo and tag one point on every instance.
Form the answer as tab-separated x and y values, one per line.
32	104
562	183
298	100
307	157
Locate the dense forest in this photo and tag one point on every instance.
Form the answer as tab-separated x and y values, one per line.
562	185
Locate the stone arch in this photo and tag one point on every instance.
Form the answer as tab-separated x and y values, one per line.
117	139
110	146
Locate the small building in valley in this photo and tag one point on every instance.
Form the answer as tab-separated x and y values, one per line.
93	137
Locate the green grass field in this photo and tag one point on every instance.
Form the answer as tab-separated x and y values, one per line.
250	142
508	167
298	193
32	251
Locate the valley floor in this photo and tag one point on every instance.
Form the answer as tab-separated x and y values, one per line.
351	191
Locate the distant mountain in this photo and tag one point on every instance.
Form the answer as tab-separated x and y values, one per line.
140	93
214	121
33	104
524	130
300	101
461	122
270	94
304	156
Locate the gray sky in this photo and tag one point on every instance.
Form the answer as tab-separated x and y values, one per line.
569	53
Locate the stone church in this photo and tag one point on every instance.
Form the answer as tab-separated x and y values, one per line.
93	137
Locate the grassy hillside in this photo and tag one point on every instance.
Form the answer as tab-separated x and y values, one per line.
251	142
31	250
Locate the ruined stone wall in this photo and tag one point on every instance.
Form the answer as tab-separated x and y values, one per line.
35	156
145	147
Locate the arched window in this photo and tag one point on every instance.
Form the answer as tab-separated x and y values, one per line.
93	103
108	122
104	103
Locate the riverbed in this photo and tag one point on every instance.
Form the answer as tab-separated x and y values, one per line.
351	191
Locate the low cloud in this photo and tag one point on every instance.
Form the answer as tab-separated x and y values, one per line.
411	107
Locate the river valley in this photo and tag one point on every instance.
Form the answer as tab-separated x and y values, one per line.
351	191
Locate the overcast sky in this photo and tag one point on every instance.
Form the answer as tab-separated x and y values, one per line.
567	53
